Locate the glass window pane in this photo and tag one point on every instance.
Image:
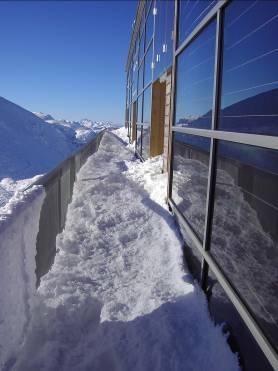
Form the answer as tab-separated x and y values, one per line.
164	25
147	122
245	227
167	47
145	141
148	66
190	178
191	13
192	255
249	101
147	106
134	82
149	27
138	138
239	338
139	109
140	78
141	48
194	86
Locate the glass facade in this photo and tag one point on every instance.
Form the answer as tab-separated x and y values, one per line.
223	183
190	14
244	231
250	75
194	87
148	66
239	337
225	188
147	123
154	35
163	38
149	27
190	178
139	123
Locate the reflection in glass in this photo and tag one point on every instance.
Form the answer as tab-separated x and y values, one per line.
192	256
190	14
145	141
249	101
239	337
147	106
141	48
147	122
245	227
190	178
140	78
164	25
148	66
135	76
195	72
139	109
138	138
149	27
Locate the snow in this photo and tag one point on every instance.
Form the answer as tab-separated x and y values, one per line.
19	223
33	144
118	296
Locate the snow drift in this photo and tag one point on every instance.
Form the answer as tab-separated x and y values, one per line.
19	225
117	297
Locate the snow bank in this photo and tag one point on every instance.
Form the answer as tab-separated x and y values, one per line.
117	296
33	144
19	223
29	146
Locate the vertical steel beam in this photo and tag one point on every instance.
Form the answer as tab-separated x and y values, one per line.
212	160
172	106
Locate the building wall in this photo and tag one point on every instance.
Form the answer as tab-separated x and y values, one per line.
150	56
224	170
223	179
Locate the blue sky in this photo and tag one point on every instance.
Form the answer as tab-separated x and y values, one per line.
66	58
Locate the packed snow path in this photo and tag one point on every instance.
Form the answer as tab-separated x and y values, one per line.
117	296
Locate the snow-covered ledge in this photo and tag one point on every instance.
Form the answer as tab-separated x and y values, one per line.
19	226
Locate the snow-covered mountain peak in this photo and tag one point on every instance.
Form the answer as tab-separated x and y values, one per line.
43	116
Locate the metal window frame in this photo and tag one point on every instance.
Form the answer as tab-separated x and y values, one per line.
264	141
231	293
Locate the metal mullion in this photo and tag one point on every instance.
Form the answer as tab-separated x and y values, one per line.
139	13
145	52
140	62
212	160
145	88
149	44
201	25
265	141
148	47
251	139
243	311
186	226
139	156
142	115
148	10
172	105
